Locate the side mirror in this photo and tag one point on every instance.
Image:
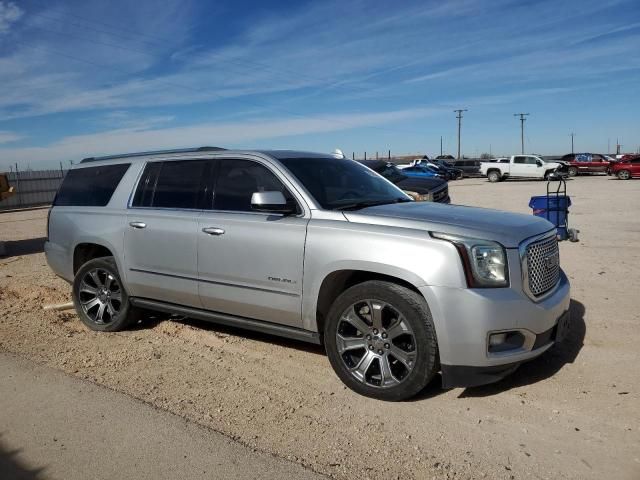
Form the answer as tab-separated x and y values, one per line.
271	202
539	163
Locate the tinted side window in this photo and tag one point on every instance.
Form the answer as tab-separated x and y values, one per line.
146	186
178	184
520	160
238	180
532	160
91	186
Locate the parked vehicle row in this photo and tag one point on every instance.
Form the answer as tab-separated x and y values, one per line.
535	166
421	189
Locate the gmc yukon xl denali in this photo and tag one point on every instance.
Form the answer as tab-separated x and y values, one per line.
313	248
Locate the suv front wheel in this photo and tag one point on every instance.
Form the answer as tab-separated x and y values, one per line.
99	297
380	340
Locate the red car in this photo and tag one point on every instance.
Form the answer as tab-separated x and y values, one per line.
626	169
586	163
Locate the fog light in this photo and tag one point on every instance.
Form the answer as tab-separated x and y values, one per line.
497	339
505	341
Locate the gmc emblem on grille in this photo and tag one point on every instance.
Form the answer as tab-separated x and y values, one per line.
551	261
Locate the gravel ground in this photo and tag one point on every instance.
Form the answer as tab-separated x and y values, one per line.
573	413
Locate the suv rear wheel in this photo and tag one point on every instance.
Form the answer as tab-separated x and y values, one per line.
99	297
380	340
573	171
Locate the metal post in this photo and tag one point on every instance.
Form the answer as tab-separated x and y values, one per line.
459	117
572	135
365	155
522	119
18	193
353	155
376	155
440	145
389	157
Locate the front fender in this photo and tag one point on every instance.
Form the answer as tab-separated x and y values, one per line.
408	254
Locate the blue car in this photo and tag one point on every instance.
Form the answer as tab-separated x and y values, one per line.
421	171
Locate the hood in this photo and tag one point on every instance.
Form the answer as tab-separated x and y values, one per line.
421	185
509	229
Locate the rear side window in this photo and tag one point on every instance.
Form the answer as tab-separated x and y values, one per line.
171	184
90	186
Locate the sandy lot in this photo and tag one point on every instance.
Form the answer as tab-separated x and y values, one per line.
573	413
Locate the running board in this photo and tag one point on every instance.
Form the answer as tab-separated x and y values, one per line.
230	320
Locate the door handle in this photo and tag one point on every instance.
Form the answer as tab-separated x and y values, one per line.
137	224
213	231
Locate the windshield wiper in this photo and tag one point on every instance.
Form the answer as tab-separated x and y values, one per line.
371	203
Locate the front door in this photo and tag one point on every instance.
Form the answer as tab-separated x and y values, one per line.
250	263
162	229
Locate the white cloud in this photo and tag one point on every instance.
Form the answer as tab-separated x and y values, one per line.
9	14
219	134
8	137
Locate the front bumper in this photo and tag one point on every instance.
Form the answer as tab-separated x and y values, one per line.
465	376
464	319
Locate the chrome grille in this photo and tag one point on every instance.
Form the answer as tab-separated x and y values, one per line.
543	265
441	194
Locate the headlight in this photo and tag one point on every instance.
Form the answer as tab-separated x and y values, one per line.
484	261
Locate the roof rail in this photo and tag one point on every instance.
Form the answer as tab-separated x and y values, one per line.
153	152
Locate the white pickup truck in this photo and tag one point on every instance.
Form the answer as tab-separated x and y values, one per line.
518	166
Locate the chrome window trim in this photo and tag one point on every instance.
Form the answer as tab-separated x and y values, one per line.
524	268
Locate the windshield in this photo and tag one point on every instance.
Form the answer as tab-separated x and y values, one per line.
339	184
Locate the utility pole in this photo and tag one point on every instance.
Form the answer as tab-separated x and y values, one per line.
459	117
572	135
522	119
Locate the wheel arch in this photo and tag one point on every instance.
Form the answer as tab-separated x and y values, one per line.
88	249
337	281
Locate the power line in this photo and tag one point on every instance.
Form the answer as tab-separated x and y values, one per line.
459	117
522	120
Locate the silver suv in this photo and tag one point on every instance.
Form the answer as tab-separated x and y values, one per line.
314	248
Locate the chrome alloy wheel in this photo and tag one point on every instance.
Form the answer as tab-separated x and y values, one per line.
376	343
100	296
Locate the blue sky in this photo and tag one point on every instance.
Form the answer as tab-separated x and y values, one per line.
83	78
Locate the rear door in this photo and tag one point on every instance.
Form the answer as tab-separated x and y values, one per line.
162	230
583	162
250	263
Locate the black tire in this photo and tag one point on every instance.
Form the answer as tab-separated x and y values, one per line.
573	171
547	173
494	176
412	308
114	298
624	175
